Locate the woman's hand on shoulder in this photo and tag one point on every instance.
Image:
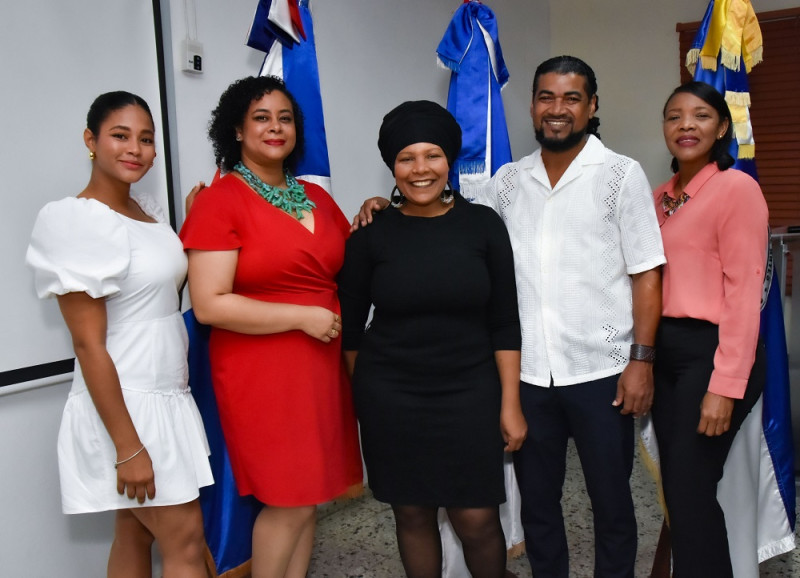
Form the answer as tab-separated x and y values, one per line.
193	195
715	414
370	206
513	427
135	477
321	323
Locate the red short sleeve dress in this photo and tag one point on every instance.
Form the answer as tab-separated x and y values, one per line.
284	399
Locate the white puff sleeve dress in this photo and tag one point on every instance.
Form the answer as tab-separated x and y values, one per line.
81	245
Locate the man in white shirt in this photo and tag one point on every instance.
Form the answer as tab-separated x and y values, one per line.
587	251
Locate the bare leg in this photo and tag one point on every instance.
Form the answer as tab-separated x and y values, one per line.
418	540
282	542
178	531
298	565
130	550
482	539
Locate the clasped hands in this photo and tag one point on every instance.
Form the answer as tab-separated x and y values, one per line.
322	324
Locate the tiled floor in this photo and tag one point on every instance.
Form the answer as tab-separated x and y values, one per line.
356	539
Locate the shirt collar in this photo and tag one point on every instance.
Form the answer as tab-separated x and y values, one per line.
592	153
697	182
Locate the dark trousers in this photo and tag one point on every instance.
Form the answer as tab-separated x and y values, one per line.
692	463
604	440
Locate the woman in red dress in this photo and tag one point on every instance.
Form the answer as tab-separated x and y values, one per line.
264	251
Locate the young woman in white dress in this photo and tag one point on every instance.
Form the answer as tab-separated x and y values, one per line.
131	437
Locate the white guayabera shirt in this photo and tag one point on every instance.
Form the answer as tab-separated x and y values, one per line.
575	247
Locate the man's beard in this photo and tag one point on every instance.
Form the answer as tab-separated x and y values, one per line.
559	145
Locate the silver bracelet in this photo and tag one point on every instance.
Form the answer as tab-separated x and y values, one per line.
119	463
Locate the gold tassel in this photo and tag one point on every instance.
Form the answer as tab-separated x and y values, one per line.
516	550
354	491
730	60
747	151
691	59
737	98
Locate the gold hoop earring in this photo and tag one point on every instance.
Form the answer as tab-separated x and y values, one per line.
92	155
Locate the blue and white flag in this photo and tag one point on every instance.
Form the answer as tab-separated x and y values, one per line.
470	49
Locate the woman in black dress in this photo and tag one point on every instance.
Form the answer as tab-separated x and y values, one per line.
436	372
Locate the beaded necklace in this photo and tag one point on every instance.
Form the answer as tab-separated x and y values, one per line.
292	199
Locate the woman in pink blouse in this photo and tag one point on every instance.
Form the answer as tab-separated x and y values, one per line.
709	371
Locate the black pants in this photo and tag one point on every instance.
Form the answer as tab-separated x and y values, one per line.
692	463
604	440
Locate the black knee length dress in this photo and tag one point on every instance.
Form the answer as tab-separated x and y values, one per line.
426	387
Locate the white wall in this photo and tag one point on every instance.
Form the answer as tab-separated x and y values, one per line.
633	48
36	539
372	56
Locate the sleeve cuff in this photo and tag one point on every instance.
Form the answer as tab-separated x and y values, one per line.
733	387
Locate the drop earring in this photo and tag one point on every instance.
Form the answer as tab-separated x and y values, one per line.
447	195
396	198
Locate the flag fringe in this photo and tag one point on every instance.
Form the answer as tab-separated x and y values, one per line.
516	550
737	98
691	59
730	60
755	58
471	167
747	151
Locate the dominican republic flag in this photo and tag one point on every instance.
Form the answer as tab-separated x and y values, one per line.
470	49
757	490
284	30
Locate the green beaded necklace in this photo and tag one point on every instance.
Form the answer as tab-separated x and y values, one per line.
292	199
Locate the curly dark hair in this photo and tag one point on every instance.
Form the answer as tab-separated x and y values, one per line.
109	102
231	110
570	64
712	97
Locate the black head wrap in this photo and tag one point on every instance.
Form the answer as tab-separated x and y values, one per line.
418	121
